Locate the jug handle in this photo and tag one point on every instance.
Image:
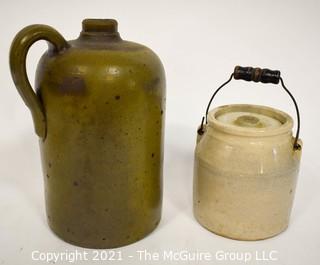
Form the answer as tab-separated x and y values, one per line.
18	53
257	75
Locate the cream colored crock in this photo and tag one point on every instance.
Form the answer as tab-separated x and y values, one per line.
245	172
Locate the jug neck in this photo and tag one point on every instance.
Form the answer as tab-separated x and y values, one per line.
104	29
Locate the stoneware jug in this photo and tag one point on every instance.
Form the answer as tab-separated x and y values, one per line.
98	109
246	166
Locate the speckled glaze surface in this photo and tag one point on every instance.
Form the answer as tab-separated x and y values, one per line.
245	173
99	113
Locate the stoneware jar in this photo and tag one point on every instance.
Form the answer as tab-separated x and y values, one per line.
246	167
98	110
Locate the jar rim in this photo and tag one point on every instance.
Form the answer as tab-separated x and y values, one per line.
285	120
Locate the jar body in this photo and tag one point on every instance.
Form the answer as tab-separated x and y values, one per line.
103	151
244	186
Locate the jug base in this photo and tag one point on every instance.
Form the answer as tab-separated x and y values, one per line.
103	245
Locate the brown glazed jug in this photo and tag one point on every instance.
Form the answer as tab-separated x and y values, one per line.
98	109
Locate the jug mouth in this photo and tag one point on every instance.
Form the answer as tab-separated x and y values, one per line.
99	25
100	28
250	120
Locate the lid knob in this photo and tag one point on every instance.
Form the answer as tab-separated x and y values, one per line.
100	25
248	121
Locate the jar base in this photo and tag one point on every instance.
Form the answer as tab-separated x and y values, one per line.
240	238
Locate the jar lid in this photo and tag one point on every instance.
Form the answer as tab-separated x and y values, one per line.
250	120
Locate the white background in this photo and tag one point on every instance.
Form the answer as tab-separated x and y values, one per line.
199	43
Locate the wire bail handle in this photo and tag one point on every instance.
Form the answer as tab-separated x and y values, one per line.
256	75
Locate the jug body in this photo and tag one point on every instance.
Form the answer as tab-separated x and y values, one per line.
103	100
245	172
